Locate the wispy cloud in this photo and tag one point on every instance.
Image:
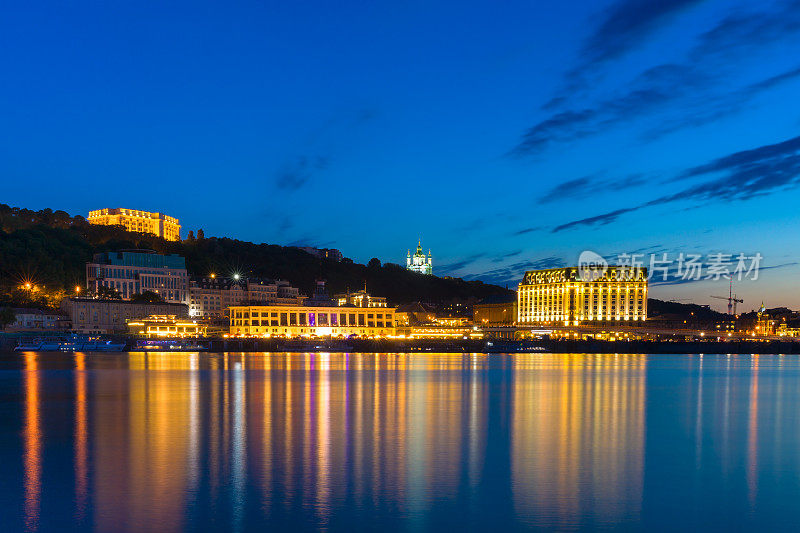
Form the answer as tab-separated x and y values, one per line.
699	86
525	231
513	273
740	175
460	265
598	220
294	174
314	150
501	258
623	27
586	186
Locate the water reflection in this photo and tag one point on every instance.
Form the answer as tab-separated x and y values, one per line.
81	437
579	431
230	441
32	458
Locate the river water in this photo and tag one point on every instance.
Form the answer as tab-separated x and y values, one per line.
241	442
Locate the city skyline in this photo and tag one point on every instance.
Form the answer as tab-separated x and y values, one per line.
508	142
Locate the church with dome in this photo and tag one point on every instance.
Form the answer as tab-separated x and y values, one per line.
419	262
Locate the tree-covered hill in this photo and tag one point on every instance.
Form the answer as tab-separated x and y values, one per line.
50	249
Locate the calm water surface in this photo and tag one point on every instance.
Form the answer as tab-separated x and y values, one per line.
164	442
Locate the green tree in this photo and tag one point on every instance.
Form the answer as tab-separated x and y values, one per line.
7	317
107	293
147	297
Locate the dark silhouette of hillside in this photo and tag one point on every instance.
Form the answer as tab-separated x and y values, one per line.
51	248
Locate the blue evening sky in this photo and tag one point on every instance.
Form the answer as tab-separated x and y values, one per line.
508	135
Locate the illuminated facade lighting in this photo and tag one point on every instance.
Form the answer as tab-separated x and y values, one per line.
158	224
420	262
211	297
573	296
132	272
309	321
360	299
155	326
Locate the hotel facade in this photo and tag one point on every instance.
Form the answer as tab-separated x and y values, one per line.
311	321
573	296
158	224
136	271
212	297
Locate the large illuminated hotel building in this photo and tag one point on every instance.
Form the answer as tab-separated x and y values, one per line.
158	224
572	296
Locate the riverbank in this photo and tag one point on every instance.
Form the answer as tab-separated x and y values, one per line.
8	342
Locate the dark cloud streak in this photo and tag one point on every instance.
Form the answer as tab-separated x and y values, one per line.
699	84
295	174
742	175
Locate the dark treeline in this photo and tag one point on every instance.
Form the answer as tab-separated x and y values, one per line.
51	249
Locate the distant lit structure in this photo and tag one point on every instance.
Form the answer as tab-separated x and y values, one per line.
324	253
311	321
155	326
765	325
360	299
419	262
158	224
94	316
573	296
36	319
498	310
131	272
211	296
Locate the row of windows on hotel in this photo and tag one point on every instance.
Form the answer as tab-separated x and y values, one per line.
311	319
134	273
541	304
168	288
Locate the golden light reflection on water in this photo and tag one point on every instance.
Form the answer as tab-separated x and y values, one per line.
32	458
583	415
81	437
174	441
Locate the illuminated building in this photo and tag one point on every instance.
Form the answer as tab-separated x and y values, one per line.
211	296
414	314
90	315
785	331
360	299
765	324
36	319
158	224
307	321
324	253
443	328
572	296
420	321
166	326
420	262
132	272
495	311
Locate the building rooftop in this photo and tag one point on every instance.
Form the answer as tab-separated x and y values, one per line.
140	258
